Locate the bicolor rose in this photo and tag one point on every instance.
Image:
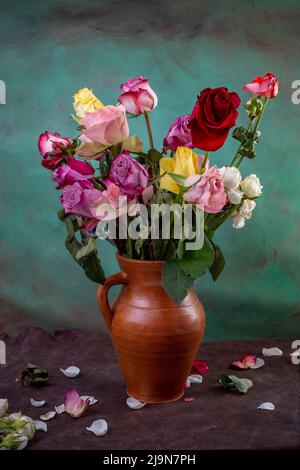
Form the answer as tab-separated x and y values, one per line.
214	114
207	190
107	126
137	96
72	171
179	134
267	86
85	102
78	198
52	147
128	174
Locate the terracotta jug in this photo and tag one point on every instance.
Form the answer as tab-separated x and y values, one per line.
155	339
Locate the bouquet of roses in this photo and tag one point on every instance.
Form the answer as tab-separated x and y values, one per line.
115	189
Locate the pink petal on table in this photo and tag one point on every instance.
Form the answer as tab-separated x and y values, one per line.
188	399
199	367
74	405
246	361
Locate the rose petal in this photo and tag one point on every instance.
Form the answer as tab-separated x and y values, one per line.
199	367
259	363
71	371
134	404
195	379
37	403
41	426
188	399
98	427
60	409
246	361
266	406
91	399
47	416
272	352
187	383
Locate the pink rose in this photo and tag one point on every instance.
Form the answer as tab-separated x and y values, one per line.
207	190
107	126
179	134
78	198
128	174
265	86
51	148
137	96
74	170
111	204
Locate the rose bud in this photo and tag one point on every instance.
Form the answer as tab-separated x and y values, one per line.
265	86
179	134
137	96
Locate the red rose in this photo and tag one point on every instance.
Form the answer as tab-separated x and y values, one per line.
214	114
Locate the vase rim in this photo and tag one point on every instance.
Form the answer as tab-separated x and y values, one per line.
124	259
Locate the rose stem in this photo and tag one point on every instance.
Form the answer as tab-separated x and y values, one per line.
149	129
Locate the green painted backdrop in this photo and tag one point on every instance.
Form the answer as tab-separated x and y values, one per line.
50	49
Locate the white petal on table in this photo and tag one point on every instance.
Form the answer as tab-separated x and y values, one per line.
40	426
195	379
266	406
134	404
71	371
47	416
272	352
37	403
92	399
258	363
98	427
60	409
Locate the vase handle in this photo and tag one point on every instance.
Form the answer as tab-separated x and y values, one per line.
102	295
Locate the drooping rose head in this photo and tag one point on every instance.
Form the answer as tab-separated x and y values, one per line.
207	190
214	114
78	198
128	174
267	86
107	126
51	148
72	171
179	134
137	96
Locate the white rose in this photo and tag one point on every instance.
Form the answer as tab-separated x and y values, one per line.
235	196
3	406
246	208
251	186
231	177
238	220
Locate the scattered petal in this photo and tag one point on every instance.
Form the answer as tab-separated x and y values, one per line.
71	371
74	405
188	399
266	406
272	352
40	426
37	403
199	367
246	361
259	363
195	379
47	416
187	384
60	409
134	404
91	399
98	427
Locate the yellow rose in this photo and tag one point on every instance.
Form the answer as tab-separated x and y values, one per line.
185	164
85	101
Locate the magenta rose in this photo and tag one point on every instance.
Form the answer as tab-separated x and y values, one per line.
207	190
78	198
179	134
128	174
265	86
74	170
137	96
107	126
52	148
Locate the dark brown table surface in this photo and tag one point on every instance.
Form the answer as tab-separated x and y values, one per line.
214	420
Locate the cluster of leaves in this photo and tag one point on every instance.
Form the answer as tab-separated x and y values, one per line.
33	374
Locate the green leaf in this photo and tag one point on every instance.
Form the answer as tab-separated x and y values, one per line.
33	374
196	262
86	250
180	249
218	264
175	281
154	155
233	382
179	179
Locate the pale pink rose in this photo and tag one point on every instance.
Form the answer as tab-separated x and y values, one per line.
78	198
51	148
110	205
207	190
107	126
137	96
147	194
265	86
